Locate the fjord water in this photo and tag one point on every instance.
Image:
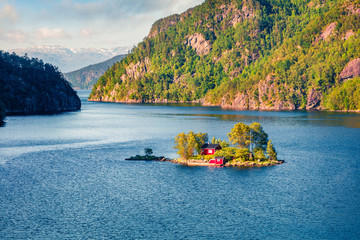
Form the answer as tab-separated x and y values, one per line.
64	176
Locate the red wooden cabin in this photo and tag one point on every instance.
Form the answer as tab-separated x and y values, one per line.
209	149
217	161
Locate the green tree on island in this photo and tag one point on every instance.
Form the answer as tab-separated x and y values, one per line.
270	151
148	152
240	135
250	142
258	136
189	144
223	144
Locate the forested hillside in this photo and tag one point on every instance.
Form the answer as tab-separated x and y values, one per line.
29	86
246	54
86	77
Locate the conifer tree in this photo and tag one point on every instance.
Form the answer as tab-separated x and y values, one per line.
270	151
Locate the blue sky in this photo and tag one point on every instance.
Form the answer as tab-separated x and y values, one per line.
82	23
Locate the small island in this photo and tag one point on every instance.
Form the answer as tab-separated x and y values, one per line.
248	146
147	157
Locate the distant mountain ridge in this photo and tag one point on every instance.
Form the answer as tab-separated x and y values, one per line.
86	77
70	59
241	54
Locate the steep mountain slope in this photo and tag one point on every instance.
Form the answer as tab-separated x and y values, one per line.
28	86
86	77
246	54
69	59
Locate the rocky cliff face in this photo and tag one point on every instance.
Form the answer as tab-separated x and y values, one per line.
231	15
265	96
199	44
351	70
28	86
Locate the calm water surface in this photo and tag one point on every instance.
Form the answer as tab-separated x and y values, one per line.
65	177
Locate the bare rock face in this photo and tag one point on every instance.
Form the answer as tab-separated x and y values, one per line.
232	15
354	9
313	99
328	31
199	44
348	34
269	96
137	70
352	69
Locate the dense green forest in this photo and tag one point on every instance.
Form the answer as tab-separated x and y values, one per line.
245	54
86	77
30	86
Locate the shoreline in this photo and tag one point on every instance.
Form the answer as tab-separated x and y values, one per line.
246	164
201	163
219	105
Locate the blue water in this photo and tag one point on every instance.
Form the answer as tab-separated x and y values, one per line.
65	177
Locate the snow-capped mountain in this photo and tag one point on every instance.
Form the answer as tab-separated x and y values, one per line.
69	59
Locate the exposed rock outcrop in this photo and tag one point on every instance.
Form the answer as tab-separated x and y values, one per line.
328	31
351	70
137	70
313	99
265	97
348	34
353	9
199	44
233	15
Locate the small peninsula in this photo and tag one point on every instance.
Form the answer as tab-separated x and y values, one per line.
248	146
30	86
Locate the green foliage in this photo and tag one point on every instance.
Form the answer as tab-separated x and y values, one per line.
243	135
258	136
223	144
190	144
270	151
345	97
240	135
259	154
148	151
228	153
181	145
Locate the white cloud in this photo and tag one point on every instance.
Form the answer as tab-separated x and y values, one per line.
47	33
17	36
87	33
83	23
8	12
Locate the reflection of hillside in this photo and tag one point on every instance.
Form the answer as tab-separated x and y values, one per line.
297	118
